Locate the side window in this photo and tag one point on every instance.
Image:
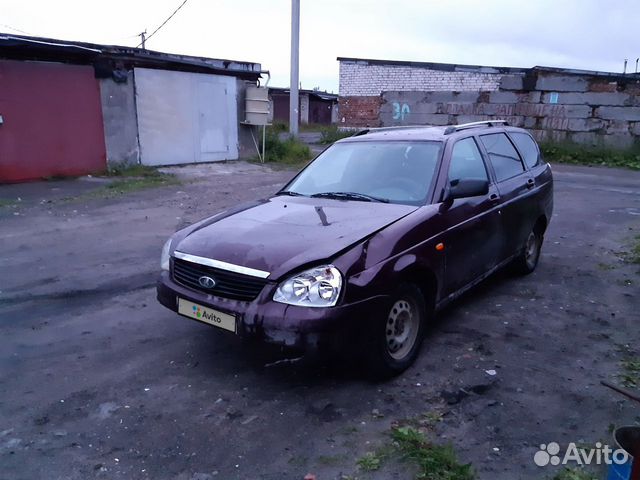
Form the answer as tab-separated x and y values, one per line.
503	156
527	147
466	161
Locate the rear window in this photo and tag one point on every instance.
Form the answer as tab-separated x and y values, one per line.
527	147
503	156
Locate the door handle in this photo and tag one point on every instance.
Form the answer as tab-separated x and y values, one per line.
531	183
494	197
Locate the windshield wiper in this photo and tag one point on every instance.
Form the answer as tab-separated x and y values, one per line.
351	196
290	193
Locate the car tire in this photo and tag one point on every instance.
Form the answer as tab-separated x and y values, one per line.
527	261
397	335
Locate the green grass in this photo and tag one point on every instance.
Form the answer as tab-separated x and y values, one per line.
286	152
135	171
432	418
127	180
6	203
434	462
430	460
577	154
630	375
370	462
132	178
332	133
634	253
128	185
574	474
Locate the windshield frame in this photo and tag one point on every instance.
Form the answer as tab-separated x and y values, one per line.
429	197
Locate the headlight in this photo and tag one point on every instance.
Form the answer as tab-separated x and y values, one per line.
317	287
164	256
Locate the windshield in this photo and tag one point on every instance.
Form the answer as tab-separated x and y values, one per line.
396	172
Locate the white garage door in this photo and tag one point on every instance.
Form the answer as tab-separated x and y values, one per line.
185	117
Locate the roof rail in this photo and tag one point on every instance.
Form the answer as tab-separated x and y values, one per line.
485	123
384	129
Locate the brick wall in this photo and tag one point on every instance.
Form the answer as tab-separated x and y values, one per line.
365	79
361	111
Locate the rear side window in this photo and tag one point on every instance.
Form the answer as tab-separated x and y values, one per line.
527	147
503	156
466	161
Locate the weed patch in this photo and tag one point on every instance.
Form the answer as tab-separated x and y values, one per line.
370	462
332	134
410	445
434	462
574	474
289	151
634	253
577	154
140	171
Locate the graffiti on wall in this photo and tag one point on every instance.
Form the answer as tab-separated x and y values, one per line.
401	111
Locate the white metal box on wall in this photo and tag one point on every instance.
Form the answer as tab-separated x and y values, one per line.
185	117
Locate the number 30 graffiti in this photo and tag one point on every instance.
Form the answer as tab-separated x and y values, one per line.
400	111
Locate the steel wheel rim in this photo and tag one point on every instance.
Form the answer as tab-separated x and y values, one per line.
531	250
401	328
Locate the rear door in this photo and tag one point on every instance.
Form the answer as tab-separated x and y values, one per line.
515	185
472	225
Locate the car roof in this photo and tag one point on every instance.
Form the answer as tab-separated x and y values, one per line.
430	133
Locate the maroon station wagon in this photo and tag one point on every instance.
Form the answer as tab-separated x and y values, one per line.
368	241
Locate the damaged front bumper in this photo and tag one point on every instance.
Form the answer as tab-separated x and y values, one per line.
302	328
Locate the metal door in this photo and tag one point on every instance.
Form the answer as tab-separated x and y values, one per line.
51	121
185	117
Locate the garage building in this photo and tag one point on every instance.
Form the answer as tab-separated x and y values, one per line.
73	108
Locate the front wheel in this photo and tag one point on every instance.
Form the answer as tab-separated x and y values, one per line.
398	333
527	261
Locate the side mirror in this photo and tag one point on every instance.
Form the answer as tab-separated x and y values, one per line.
465	188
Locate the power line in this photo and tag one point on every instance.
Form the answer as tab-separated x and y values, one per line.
14	28
164	23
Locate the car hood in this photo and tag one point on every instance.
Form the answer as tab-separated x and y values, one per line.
284	233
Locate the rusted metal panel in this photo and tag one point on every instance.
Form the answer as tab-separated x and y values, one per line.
52	121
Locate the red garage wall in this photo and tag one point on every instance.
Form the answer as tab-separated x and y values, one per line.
52	121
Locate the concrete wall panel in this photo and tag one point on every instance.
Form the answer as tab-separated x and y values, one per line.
119	119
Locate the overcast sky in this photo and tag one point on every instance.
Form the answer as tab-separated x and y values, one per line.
587	34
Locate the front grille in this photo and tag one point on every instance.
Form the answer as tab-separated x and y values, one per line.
228	284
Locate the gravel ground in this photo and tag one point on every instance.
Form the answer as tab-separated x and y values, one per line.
99	381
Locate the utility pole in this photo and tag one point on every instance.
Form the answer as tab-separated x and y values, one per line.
142	38
295	65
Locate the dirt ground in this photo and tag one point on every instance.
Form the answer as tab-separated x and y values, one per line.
99	381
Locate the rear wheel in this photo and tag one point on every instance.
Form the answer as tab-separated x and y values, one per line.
398	333
527	261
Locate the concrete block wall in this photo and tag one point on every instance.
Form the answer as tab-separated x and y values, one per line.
584	107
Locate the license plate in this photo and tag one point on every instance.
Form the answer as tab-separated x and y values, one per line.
207	315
